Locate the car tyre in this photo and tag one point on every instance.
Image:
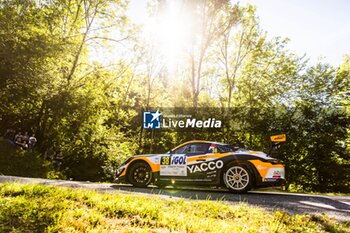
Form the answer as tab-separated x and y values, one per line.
237	178
140	174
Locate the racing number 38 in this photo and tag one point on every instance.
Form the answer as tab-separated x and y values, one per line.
173	160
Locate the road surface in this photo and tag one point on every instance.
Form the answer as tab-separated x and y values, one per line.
334	206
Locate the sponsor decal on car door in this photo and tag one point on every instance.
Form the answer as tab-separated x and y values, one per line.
204	167
173	165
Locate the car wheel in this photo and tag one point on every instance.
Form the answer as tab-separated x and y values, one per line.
140	174
237	178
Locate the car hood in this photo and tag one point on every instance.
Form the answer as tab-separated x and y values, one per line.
147	155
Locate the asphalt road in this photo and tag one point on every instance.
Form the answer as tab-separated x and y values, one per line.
334	206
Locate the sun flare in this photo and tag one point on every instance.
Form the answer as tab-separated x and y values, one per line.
170	31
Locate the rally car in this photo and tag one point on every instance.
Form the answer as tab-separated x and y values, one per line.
203	163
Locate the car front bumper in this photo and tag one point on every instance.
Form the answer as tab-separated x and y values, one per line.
120	179
271	183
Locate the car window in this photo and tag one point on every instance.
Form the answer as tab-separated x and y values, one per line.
197	148
226	148
193	149
181	150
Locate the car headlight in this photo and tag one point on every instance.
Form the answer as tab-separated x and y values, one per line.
120	169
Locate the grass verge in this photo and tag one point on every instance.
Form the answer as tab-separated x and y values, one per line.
37	208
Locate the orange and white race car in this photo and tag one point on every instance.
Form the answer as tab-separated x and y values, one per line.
204	163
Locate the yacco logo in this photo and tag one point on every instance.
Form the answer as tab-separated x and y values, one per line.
151	120
203	167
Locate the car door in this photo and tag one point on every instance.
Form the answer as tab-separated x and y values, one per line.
196	162
204	163
189	163
173	165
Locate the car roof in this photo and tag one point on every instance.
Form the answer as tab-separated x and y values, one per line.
199	141
204	141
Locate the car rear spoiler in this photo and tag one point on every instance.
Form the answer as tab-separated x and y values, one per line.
276	140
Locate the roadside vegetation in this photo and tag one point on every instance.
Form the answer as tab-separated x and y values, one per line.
36	208
14	161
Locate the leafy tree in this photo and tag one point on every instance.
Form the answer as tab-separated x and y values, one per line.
206	26
316	153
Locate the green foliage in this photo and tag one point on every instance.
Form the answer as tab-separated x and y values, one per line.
318	130
46	89
18	162
36	208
